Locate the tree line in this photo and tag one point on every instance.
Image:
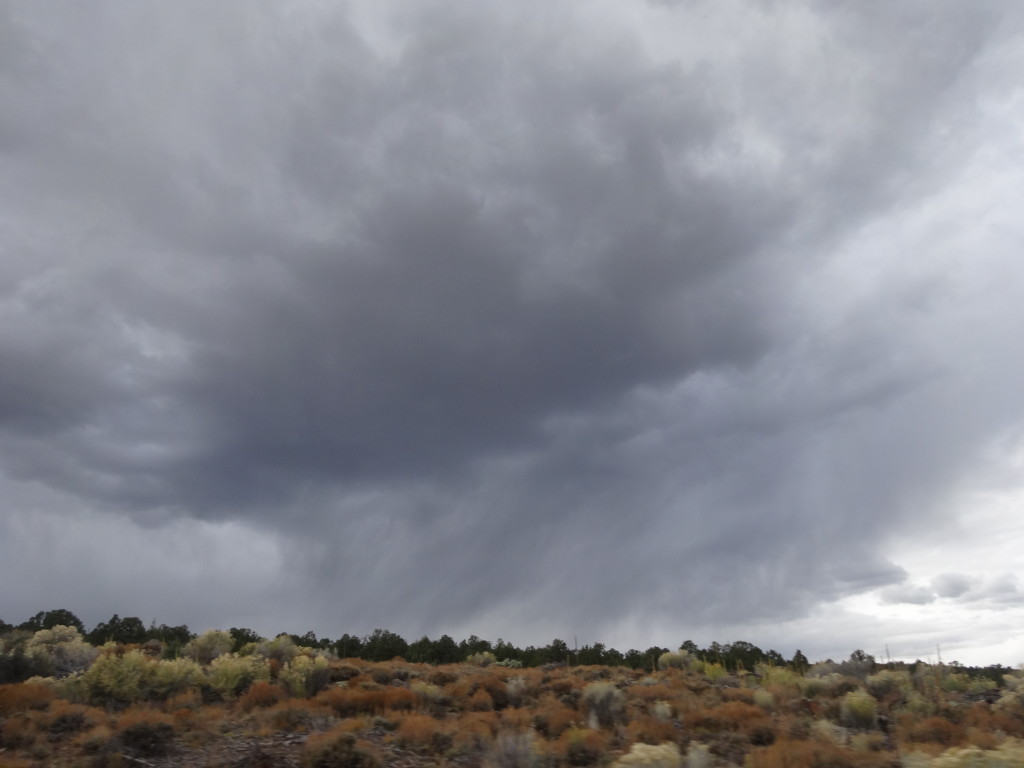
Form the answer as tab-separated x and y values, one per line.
384	645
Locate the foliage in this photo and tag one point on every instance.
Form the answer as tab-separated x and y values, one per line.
169	677
281	649
383	645
304	675
336	749
51	619
605	703
60	650
146	733
650	756
124	631
21	697
231	674
209	645
513	750
675	660
859	710
117	679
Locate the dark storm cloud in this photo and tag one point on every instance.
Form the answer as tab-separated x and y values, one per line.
485	308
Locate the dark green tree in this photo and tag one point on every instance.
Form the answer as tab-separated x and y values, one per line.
635	659
127	630
591	655
173	638
383	645
446	651
474	644
242	636
348	647
557	652
504	651
50	619
421	651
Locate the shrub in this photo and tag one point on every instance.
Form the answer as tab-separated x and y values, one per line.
261	694
675	660
583	747
711	670
292	715
61	650
429	695
349	702
482	659
662	710
208	646
604	703
281	649
698	756
21	697
16	732
858	710
551	717
890	683
513	750
336	748
516	689
650	730
229	674
650	756
170	677
937	730
146	734
425	733
67	718
304	675
764	699
476	731
117	679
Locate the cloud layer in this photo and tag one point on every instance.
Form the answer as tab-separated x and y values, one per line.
672	318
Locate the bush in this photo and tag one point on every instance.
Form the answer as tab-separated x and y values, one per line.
146	734
208	646
513	750
261	694
425	734
583	747
281	649
61	650
229	674
675	660
69	719
336	749
858	710
650	756
117	679
170	677
21	697
304	676
604	703
890	684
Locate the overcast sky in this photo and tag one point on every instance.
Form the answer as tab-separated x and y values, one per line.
631	322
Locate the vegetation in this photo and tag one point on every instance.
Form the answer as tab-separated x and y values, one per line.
168	697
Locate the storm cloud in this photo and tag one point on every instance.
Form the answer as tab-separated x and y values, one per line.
637	322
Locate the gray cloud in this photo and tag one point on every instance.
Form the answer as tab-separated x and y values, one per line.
951	584
532	308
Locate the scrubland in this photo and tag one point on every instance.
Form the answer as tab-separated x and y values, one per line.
274	702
